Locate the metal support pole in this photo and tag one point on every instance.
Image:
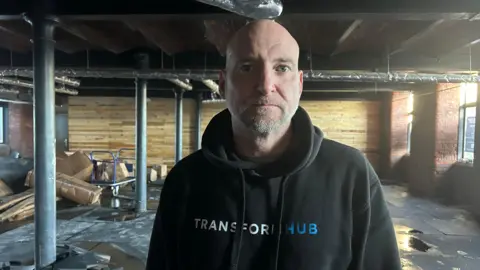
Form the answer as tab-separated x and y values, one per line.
178	124
199	121
44	136
141	136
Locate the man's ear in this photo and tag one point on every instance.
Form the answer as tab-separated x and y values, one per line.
221	83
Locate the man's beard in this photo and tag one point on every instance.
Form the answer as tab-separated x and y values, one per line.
259	121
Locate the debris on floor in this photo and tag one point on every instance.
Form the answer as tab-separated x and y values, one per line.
18	207
72	173
4	189
77	165
14	207
71	188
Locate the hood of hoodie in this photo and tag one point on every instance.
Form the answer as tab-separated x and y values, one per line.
218	147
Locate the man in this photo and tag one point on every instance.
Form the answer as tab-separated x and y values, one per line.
267	191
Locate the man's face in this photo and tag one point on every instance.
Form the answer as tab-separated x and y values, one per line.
262	83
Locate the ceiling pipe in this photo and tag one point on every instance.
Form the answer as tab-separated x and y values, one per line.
29	74
309	75
213	101
20	83
184	85
212	85
15	101
22	102
67	81
4	90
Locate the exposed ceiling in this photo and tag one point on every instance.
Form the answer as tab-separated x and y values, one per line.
407	44
373	35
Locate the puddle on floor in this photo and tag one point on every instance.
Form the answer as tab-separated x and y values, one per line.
119	216
408	240
418	244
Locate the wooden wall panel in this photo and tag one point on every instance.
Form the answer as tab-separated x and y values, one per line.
106	123
355	123
209	110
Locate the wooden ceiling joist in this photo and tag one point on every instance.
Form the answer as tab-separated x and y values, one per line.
94	36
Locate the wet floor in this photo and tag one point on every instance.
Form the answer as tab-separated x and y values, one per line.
429	235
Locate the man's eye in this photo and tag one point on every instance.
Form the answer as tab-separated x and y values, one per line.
245	68
282	68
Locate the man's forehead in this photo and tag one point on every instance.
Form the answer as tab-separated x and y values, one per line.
263	45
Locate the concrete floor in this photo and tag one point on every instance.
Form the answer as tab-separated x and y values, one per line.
430	236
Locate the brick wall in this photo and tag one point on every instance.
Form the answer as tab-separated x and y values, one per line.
447	120
20	128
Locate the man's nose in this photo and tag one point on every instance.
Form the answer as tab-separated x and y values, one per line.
265	81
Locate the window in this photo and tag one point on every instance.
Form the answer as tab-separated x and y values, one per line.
468	111
410	120
3	129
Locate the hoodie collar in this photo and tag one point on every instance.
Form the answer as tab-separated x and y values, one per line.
217	146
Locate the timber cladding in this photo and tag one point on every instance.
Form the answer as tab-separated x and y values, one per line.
355	123
106	123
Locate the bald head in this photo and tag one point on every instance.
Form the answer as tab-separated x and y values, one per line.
261	82
261	35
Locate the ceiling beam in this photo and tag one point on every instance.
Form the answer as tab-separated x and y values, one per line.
14	41
156	34
465	39
346	36
22	31
94	36
219	32
455	38
413	40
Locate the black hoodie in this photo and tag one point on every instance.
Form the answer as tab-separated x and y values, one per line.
318	207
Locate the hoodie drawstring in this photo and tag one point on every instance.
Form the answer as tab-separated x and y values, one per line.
278	231
238	238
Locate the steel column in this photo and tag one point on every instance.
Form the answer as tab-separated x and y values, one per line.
199	121
44	136
178	124
141	136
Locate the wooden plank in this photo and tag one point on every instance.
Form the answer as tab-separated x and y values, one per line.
355	123
4	189
106	123
6	202
18	208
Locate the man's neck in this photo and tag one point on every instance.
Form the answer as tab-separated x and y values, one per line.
261	147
